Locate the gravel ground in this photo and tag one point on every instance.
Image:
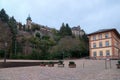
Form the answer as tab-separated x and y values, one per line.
92	70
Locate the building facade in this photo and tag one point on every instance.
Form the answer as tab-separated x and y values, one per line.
104	44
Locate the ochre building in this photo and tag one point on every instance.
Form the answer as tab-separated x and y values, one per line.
104	44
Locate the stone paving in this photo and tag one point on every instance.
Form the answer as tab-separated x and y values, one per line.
92	70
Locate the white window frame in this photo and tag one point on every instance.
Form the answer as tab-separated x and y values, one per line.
107	43
100	44
94	54
107	52
100	36
94	45
106	35
94	37
101	52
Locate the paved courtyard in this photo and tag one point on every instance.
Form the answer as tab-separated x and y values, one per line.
92	70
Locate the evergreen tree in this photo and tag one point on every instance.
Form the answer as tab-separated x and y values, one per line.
13	26
62	30
3	16
68	30
65	30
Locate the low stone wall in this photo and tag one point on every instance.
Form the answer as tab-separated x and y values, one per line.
18	64
22	64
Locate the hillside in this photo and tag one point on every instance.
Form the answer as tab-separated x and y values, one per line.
34	41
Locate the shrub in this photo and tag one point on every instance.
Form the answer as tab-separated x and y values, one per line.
71	62
60	62
18	56
50	62
118	61
2	53
42	62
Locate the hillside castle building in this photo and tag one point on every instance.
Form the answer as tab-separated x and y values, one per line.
44	30
77	31
29	26
28	23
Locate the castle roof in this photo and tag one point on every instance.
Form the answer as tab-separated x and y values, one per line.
29	18
76	28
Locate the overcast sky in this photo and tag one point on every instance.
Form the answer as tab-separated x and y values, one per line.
91	15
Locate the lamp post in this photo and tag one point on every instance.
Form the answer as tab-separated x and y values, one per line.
5	52
63	55
15	47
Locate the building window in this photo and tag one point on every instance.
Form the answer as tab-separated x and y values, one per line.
117	44
94	37
107	43
107	53
94	54
106	35
94	45
100	44
100	36
101	53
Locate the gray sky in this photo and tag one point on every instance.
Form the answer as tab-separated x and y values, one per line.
91	15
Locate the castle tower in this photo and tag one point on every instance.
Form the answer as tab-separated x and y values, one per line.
28	23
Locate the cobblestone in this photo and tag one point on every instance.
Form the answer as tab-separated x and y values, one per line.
92	70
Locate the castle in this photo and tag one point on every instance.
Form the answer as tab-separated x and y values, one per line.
33	27
44	30
77	31
28	23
